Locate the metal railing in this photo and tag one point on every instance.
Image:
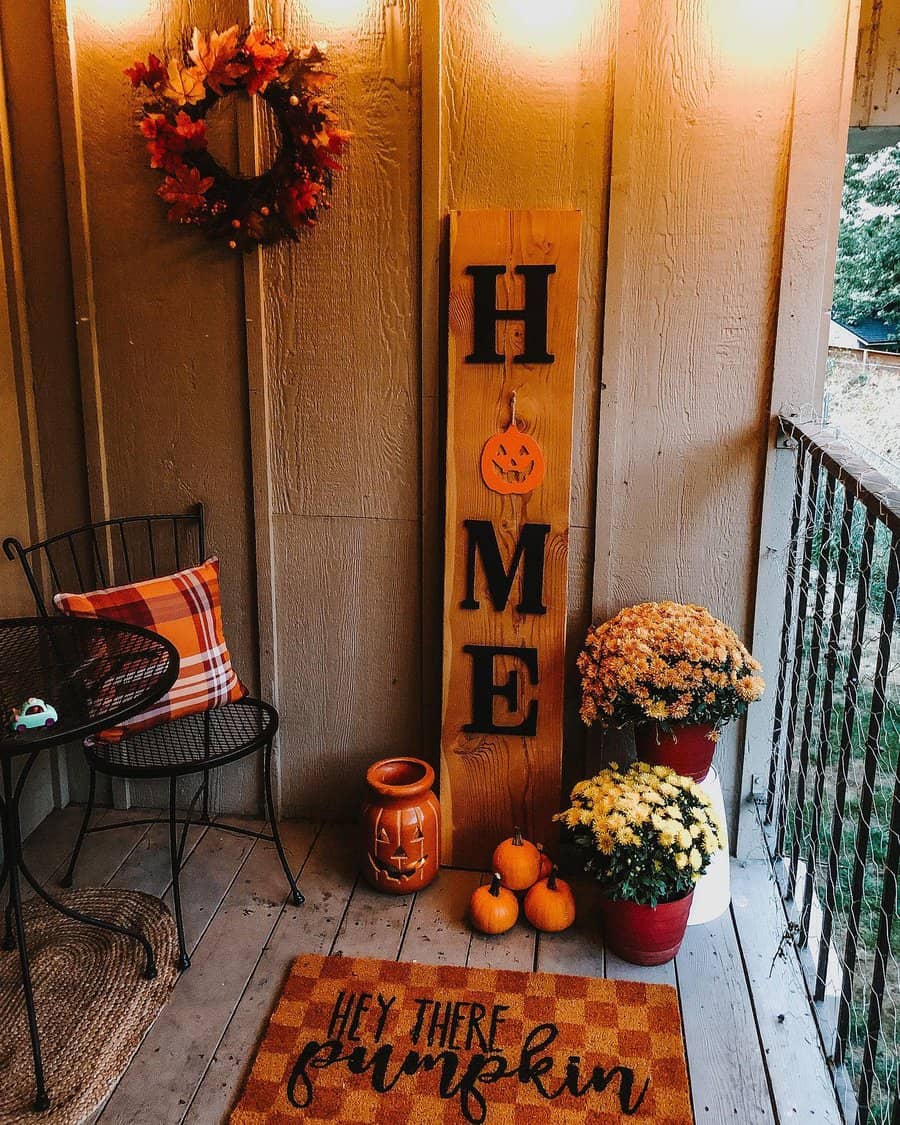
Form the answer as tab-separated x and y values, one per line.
832	810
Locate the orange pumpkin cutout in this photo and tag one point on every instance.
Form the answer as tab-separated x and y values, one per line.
512	462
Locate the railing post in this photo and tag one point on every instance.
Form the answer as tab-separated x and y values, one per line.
889	885
812	497
867	798
834	773
845	752
812	680
831	656
788	620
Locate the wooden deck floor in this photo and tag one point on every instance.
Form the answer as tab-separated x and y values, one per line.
753	1052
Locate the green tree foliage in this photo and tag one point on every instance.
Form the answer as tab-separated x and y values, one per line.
867	274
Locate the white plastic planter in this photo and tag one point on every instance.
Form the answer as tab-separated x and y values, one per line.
712	895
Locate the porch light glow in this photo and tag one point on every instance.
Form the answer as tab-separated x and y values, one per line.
766	33
336	14
112	13
547	27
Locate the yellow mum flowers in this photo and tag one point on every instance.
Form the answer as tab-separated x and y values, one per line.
643	844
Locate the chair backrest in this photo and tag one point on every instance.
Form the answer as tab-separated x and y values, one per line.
109	553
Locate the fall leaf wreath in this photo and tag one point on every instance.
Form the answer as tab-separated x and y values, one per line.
242	211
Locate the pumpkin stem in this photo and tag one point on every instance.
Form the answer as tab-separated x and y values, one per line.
494	888
551	878
517	837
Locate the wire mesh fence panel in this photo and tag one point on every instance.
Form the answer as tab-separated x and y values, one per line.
832	808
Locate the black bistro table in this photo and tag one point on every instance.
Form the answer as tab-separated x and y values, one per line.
95	673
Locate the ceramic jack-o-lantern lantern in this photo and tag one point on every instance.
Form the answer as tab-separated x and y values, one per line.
512	462
401	826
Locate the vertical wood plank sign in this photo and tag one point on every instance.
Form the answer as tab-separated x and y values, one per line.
512	327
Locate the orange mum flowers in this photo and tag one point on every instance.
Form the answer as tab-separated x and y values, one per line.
668	663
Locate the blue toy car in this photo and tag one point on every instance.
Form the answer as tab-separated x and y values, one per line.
33	714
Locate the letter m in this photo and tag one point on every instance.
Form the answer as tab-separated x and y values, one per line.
529	553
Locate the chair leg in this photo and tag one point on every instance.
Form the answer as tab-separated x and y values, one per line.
204	813
184	961
204	808
66	880
9	940
296	896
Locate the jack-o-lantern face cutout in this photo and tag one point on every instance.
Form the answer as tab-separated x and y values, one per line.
397	856
400	826
512	462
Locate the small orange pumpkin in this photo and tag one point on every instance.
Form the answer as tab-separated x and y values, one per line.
518	861
493	909
550	904
546	862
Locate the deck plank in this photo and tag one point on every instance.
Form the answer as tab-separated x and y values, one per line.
578	950
175	1052
728	1076
438	931
206	878
103	853
619	969
244	944
50	844
373	925
327	882
789	1036
148	868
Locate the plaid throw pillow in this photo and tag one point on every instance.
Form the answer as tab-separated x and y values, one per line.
185	608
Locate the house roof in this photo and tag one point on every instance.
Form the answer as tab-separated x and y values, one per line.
872	330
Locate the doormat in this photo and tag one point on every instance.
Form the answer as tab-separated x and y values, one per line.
93	1004
360	1041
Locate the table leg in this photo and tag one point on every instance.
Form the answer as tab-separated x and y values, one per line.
7	942
12	850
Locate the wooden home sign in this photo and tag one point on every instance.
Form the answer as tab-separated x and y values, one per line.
512	324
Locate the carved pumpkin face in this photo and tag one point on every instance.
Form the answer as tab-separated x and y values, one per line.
397	857
512	462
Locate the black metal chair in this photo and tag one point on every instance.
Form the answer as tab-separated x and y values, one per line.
130	549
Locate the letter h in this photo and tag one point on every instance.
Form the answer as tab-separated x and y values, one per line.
486	314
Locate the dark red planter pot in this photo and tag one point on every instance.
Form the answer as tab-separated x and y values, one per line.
685	749
645	935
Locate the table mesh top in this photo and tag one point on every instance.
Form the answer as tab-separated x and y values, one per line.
93	672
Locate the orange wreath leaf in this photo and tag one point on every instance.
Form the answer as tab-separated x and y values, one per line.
184	85
213	57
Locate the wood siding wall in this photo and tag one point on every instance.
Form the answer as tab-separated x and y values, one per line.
21	492
876	93
299	395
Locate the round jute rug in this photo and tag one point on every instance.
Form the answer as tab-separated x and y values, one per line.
93	1003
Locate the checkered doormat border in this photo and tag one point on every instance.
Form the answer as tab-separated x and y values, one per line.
360	1041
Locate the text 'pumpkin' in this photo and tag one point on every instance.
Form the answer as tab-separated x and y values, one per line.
512	462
